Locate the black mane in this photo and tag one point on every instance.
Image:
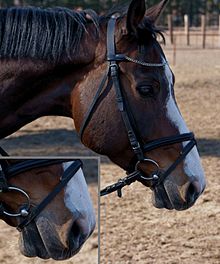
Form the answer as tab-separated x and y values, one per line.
51	34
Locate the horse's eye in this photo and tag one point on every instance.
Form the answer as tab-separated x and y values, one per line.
146	90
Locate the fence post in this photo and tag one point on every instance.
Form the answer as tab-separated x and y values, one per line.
186	25
174	50
203	27
219	29
170	27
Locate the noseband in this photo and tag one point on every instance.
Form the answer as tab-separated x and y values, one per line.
138	146
26	213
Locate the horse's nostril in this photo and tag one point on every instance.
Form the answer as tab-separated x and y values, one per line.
192	193
75	230
76	236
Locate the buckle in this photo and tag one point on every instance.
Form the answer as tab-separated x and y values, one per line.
116	57
137	147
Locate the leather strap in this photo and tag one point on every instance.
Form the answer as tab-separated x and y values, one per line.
3	182
1	209
161	142
120	184
111	55
29	164
3	152
111	39
90	111
3	162
69	173
110	52
181	157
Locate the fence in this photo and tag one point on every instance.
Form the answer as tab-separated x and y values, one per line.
193	37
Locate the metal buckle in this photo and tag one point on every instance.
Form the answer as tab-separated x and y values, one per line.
136	147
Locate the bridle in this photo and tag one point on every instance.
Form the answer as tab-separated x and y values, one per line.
26	213
137	144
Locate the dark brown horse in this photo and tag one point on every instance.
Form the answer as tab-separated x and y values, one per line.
52	63
48	201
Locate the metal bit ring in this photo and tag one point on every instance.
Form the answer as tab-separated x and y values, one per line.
23	211
155	176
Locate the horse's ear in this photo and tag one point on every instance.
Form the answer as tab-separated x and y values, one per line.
154	12
136	12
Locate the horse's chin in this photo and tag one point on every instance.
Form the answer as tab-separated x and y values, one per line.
31	244
164	197
160	198
36	242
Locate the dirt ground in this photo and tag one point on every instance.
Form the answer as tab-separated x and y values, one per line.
132	230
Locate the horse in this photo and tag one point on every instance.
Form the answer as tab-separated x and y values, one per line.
47	200
110	75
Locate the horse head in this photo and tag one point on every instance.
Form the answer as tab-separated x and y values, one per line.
49	203
131	114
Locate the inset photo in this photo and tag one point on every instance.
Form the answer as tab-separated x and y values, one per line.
49	208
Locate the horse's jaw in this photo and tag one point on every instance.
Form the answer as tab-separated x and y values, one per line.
31	244
41	240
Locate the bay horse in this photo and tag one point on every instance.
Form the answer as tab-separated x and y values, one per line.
48	201
53	62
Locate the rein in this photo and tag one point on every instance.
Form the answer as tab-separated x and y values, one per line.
26	213
139	149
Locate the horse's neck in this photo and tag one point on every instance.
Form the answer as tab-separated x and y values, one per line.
29	90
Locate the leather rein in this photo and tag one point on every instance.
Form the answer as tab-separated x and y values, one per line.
27	213
138	147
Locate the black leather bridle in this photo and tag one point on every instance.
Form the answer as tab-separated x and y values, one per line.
138	146
27	213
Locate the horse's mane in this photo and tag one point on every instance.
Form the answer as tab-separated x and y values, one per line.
51	34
